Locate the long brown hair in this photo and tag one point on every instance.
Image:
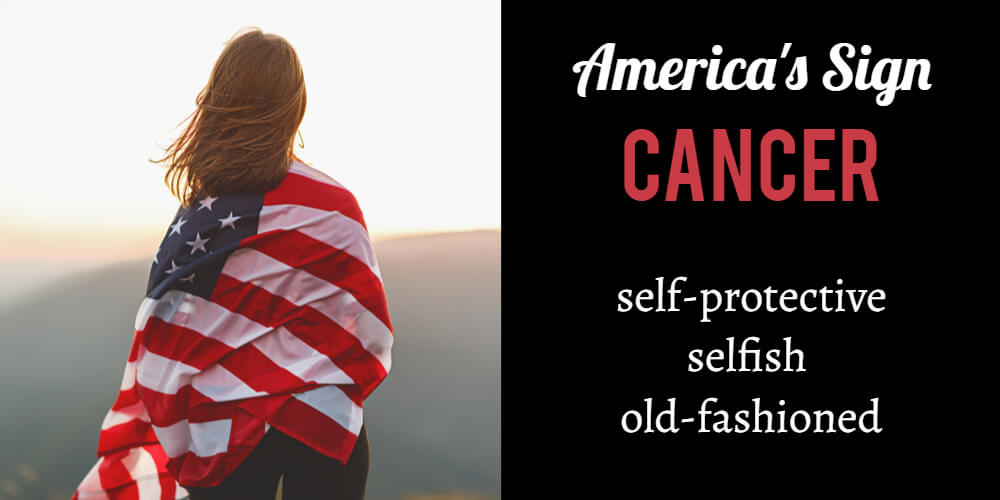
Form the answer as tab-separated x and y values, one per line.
240	138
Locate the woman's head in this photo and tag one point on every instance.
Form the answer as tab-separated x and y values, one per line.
240	137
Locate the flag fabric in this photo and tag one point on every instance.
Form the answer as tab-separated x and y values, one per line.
262	310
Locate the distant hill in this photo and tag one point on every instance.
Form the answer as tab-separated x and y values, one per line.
434	424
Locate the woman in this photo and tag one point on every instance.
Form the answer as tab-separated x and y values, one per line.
265	324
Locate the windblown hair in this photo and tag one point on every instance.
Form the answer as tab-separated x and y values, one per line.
240	138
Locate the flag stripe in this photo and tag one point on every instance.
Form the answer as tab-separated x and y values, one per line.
204	439
296	417
125	415
328	263
127	397
257	371
179	342
204	316
116	479
310	326
170	489
167	409
299	189
91	488
302	288
118	437
334	228
149	479
334	403
300	358
314	174
219	384
163	374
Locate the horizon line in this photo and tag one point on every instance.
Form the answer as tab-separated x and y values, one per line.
35	255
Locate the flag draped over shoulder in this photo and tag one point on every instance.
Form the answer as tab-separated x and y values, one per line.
261	310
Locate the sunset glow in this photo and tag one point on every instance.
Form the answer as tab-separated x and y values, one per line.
403	108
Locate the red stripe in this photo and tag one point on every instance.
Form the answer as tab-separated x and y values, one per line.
257	370
168	485
288	415
306	323
133	353
265	407
203	409
177	343
298	189
126	398
206	410
315	429
323	261
182	344
198	471
166	409
115	478
246	431
125	435
358	394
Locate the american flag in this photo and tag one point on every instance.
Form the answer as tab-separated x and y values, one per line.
261	310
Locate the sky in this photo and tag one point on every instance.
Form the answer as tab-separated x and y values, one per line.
403	109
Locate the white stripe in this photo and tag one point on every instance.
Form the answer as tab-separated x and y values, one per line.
162	374
332	402
314	174
141	468
169	376
331	227
175	439
210	438
143	471
90	488
145	311
204	439
294	355
127	414
190	311
220	384
128	379
302	288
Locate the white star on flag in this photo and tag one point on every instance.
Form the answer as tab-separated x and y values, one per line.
176	228
189	278
229	221
197	243
155	255
173	267
207	203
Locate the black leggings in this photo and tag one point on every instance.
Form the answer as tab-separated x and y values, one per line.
307	473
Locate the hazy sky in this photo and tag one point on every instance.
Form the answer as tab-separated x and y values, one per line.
403	108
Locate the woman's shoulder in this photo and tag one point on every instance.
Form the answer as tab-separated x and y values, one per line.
307	185
299	167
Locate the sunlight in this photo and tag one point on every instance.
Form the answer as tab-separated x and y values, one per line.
404	109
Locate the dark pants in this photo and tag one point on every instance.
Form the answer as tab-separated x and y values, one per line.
307	473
